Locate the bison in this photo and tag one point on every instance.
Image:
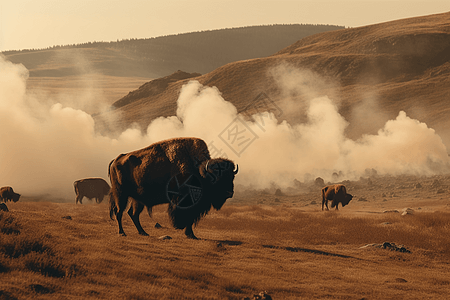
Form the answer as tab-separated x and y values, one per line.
178	172
337	193
90	188
7	194
3	207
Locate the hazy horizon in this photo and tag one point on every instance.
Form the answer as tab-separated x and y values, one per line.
39	24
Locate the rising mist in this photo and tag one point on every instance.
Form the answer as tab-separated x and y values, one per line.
45	147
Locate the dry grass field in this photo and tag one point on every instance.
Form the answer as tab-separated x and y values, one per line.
273	240
286	246
98	91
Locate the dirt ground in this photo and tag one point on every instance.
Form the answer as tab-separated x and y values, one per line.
280	242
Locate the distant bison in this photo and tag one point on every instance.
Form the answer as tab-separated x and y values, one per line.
179	172
337	193
90	188
3	207
7	194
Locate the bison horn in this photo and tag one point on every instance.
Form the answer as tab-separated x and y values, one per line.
237	169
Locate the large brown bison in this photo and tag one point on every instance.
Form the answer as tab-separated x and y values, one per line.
7	194
179	172
337	193
90	188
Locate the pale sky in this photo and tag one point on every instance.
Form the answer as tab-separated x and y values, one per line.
32	24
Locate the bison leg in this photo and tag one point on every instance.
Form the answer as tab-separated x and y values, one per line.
79	198
119	222
134	212
325	201
122	205
189	233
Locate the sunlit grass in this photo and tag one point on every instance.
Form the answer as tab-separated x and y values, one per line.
8	225
244	250
424	230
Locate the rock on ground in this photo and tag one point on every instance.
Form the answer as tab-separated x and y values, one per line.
260	296
407	211
388	246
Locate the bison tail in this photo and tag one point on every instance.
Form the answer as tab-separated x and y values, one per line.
112	208
75	186
109	168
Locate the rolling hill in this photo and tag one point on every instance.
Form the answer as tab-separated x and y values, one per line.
390	242
156	57
371	72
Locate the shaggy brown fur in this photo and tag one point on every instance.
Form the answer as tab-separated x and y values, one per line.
7	194
144	176
90	188
337	193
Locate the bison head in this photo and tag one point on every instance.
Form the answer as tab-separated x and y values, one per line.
218	175
15	197
347	199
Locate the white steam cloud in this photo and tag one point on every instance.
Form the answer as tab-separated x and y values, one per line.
43	148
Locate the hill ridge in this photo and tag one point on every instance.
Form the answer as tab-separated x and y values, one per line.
405	69
153	88
199	52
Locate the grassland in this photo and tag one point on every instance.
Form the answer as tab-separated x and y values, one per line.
287	247
279	242
92	93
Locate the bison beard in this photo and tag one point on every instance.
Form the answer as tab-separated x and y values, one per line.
182	217
144	175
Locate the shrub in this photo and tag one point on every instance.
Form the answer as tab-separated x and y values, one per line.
40	289
7	296
3	265
45	263
8	225
22	245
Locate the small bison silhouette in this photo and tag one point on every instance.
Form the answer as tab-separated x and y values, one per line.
3	207
90	188
7	194
337	193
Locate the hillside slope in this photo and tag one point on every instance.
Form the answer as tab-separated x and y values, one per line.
155	57
371	72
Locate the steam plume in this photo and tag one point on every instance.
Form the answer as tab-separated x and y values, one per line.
44	148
